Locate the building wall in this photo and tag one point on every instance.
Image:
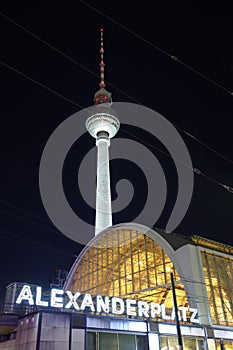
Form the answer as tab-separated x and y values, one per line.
46	331
26	336
194	282
8	345
63	331
78	339
55	331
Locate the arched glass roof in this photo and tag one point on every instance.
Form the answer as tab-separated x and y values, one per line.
127	263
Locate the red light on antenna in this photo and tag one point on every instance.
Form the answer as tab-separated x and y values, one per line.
101	29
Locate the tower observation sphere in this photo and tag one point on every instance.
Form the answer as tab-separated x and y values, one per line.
103	125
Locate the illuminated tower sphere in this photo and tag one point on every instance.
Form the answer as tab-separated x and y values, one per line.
103	125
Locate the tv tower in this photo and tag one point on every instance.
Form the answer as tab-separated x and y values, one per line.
103	125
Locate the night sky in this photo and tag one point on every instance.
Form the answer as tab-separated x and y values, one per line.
31	246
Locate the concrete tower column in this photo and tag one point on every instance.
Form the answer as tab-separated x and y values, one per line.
103	192
103	126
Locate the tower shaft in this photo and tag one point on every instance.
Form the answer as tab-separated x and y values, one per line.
103	192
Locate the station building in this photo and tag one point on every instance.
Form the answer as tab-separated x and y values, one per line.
122	296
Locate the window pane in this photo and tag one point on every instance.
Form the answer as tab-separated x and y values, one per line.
107	341
142	343
173	342
228	344
126	342
189	343
200	344
163	343
91	341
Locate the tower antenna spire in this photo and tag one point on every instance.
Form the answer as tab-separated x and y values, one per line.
102	64
102	95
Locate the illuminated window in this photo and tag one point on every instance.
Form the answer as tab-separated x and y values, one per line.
218	273
189	343
227	344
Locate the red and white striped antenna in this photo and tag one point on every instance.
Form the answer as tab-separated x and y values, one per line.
102	64
102	95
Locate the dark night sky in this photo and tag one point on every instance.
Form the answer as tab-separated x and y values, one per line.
31	246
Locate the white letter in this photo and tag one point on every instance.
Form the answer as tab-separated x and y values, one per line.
87	302
173	315
143	308
102	305
183	312
56	301
130	310
155	309
25	294
39	302
72	300
164	316
193	314
117	309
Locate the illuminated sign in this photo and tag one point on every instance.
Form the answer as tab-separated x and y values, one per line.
65	299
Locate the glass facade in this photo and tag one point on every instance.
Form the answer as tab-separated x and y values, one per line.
218	273
226	344
128	264
189	343
116	341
